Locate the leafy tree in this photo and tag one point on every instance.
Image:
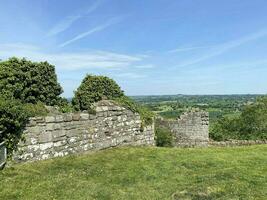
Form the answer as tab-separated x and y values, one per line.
251	124
29	81
93	89
13	117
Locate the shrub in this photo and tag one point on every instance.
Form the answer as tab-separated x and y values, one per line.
14	116
29	81
93	89
250	125
225	129
37	109
163	137
64	105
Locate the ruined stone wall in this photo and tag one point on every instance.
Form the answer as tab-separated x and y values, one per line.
233	143
190	129
63	134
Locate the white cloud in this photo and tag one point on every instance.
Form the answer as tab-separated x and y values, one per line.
144	66
220	49
188	49
130	75
68	21
70	61
91	31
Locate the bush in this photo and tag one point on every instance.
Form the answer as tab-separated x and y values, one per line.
29	81
250	125
37	109
94	89
65	106
225	129
163	137
14	116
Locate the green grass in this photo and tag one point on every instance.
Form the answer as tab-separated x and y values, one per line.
143	173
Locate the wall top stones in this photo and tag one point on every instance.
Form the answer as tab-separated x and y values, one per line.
103	108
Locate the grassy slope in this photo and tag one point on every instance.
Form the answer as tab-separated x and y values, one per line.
143	173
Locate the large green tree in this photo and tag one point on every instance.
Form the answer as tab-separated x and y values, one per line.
29	82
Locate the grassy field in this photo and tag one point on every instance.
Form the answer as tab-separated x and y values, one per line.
143	173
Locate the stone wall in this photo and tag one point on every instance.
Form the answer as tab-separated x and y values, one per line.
63	134
190	129
233	143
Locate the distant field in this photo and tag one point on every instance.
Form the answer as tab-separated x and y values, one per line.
143	173
218	106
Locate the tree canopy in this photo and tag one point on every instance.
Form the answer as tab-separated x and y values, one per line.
29	81
251	124
93	89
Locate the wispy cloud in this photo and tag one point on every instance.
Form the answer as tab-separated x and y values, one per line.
69	20
240	66
91	31
130	75
189	49
144	66
71	61
223	48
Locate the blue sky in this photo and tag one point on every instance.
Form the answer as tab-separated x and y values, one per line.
147	46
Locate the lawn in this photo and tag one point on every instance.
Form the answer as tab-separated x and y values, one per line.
143	173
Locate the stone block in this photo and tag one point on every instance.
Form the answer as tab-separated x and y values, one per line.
67	117
57	134
50	127
100	114
59	118
32	122
45	137
60	143
84	116
46	146
50	119
76	117
92	117
98	109
40	119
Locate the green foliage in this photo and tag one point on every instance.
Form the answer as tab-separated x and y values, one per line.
37	109
163	137
64	105
225	129
14	116
96	88
29	81
251	124
93	89
145	114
